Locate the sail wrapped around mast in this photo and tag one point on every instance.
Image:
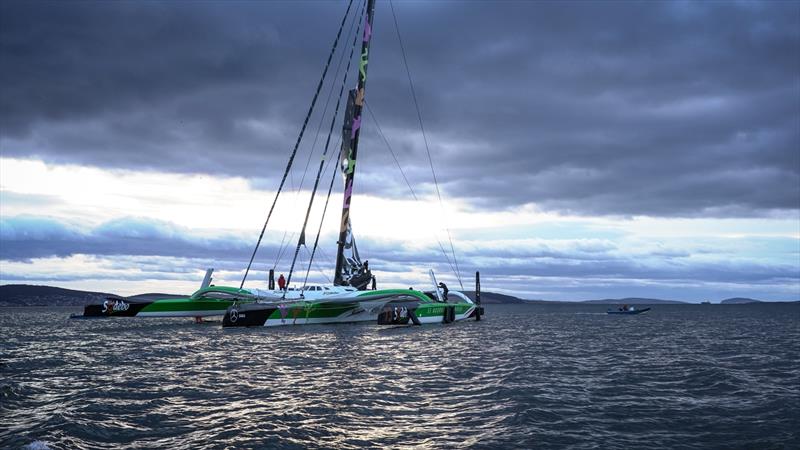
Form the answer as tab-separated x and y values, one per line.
347	133
350	271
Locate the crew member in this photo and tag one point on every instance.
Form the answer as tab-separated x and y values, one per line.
281	283
444	290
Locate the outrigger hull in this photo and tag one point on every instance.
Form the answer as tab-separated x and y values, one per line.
180	307
206	302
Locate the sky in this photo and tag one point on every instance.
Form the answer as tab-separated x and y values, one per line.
582	150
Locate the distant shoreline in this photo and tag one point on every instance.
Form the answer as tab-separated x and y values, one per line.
15	295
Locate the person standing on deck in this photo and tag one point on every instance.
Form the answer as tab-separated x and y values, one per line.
282	283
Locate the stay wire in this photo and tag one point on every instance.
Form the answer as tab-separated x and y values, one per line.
280	250
322	220
402	172
297	143
324	274
425	138
285	243
301	240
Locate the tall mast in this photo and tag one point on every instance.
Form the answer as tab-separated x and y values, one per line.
350	154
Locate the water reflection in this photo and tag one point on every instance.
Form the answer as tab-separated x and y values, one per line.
528	376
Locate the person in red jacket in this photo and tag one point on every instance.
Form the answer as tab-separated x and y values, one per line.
281	282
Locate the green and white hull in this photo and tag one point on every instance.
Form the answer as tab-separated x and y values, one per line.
206	302
385	306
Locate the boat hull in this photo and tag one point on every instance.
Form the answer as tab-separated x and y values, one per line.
362	306
300	313
206	302
172	307
628	313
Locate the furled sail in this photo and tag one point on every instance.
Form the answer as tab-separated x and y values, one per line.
354	271
349	269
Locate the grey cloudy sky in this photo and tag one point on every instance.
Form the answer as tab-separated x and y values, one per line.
654	108
606	110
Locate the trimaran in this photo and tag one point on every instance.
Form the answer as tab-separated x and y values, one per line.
347	299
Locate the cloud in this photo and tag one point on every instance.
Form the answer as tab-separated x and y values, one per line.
25	238
667	110
134	249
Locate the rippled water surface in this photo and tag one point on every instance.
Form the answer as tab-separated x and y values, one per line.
529	376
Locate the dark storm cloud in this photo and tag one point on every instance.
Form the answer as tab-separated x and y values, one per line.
663	109
23	238
189	87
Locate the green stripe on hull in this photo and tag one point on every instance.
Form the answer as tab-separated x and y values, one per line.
185	305
318	311
384	292
438	318
364	311
324	310
197	313
437	309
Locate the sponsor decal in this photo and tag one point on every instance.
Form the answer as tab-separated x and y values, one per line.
233	315
282	309
112	306
399	313
295	313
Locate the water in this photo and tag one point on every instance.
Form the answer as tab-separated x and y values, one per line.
529	376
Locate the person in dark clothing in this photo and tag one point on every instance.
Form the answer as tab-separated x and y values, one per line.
444	290
374	285
282	283
366	266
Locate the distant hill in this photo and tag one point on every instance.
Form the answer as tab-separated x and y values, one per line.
739	301
635	301
493	298
33	295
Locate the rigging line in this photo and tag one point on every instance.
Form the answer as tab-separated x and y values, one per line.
425	138
391	151
284	243
331	89
283	249
301	240
322	220
327	256
402	172
297	144
280	250
321	249
324	274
